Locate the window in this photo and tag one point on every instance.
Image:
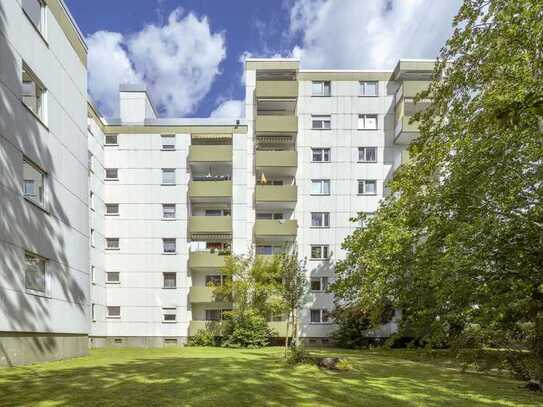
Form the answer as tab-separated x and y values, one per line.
35	274
113	277
367	122
321	88
213	314
369	88
168	211
114	312
35	11
214	280
90	163
269	250
169	315
320	316
269	216
217	212
93	274
93	312
33	182
320	187
319	284
320	155
321	122
91	200
320	219
170	280
112	140
319	252
112	243
168	142
367	187
168	246
92	240
112	174
112	209
168	176
367	154
34	93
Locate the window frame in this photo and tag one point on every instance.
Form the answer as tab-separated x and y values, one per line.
93	312
115	144
43	202
323	248
164	206
41	114
364	182
46	276
364	116
42	29
111	239
106	178
325	220
323	181
168	171
322	313
164	279
365	149
322	119
92	272
163	145
173	311
324	283
166	240
109	281
362	89
108	206
108	312
323	151
323	87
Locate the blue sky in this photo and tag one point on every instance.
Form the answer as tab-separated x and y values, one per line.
188	52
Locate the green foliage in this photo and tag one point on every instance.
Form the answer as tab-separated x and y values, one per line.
204	337
297	354
246	330
344	365
458	244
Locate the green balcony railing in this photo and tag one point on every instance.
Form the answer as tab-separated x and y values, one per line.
210	153
276	193
277	124
276	89
287	158
210	189
201	295
210	224
276	228
206	260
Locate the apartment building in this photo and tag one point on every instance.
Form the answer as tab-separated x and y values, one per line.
114	232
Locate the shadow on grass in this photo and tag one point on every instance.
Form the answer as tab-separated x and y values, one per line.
203	377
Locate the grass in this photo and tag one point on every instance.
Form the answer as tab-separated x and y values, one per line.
231	377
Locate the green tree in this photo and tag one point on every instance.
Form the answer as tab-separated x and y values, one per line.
458	244
293	288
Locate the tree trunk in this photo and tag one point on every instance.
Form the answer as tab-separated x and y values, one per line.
294	327
538	349
286	338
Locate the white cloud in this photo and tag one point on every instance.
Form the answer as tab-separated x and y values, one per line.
230	109
371	33
177	62
108	66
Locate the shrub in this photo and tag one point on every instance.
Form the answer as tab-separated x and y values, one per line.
298	354
344	365
247	330
204	337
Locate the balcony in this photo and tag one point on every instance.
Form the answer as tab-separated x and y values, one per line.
200	295
276	124
276	89
204	260
196	326
275	230
210	153
277	159
210	191
279	328
210	228
278	195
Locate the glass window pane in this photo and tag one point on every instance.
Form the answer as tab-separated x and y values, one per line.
111	139
316	252
33	9
169	280
316	88
371	89
168	142
169	245
315	315
326	154
112	173
316	219
113	311
317	154
371	122
327	89
35	273
326	187
33	182
316	284
370	187
371	154
113	276
168	176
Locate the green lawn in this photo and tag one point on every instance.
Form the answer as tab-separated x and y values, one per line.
228	377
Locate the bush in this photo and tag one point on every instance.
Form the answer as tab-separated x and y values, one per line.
204	337
344	365
298	354
249	330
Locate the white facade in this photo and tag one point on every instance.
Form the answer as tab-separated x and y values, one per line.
132	217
